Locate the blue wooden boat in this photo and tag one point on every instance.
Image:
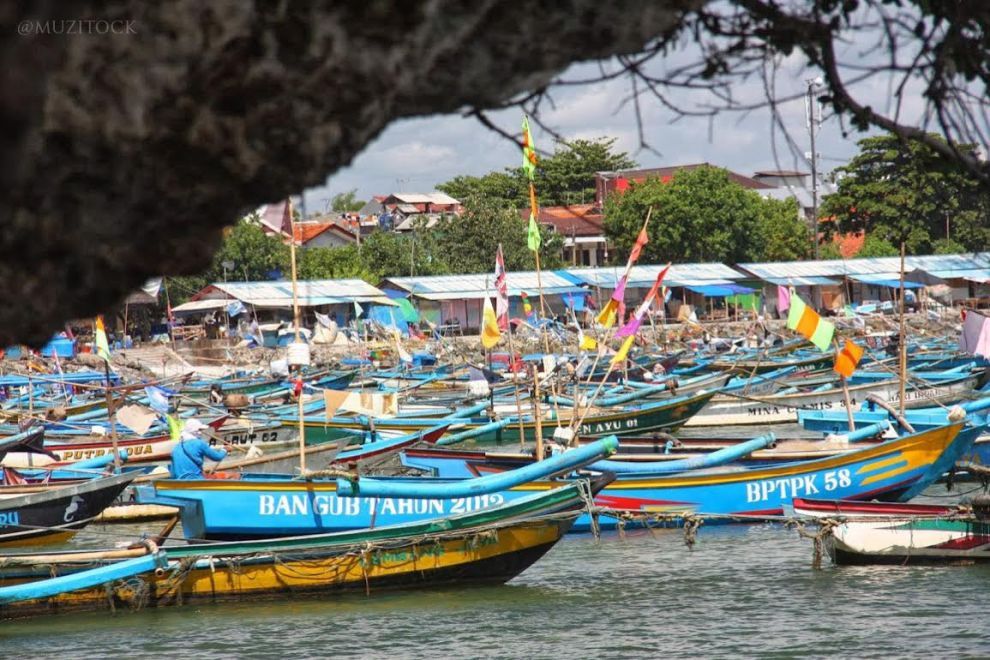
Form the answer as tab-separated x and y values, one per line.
270	506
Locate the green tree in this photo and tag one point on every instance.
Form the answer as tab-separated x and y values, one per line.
568	176
701	215
508	188
784	235
900	191
565	177
342	262
469	242
346	202
254	253
875	246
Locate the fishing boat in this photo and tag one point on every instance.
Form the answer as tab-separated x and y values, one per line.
896	470
665	415
736	408
490	546
883	533
270	506
35	514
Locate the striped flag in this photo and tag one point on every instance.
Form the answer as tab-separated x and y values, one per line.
632	327
806	321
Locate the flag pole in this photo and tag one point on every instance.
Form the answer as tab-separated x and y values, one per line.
295	321
515	386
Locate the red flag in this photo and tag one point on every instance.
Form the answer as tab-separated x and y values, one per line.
641	241
656	285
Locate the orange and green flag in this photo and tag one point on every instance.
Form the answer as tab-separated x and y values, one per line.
848	358
806	321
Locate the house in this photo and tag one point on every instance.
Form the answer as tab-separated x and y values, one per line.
323	233
581	226
607	183
403	212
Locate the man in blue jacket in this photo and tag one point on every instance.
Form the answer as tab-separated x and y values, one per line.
192	450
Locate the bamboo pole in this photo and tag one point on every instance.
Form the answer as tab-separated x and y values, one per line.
537	413
295	320
903	343
515	386
110	416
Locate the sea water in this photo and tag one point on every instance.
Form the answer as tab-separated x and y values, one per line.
742	591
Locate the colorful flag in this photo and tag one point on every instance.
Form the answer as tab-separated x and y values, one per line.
783	299
501	291
586	343
527	308
533	238
490	333
529	152
847	359
606	317
638	245
620	356
807	322
100	339
632	326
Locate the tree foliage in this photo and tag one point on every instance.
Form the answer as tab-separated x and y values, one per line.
346	202
565	177
467	244
701	215
904	191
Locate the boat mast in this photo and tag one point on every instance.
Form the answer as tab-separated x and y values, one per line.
902	345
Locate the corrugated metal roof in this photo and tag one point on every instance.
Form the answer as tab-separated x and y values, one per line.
194	306
311	292
802	281
646	275
454	287
871	265
979	274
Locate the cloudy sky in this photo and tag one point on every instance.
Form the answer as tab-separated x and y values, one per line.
414	155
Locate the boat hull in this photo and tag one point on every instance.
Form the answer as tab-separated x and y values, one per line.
725	410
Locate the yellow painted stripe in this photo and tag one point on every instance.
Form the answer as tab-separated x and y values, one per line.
879	465
873	478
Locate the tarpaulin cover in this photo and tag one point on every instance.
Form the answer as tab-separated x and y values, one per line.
719	290
389	317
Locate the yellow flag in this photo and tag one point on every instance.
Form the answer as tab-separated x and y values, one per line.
619	357
490	334
587	343
606	318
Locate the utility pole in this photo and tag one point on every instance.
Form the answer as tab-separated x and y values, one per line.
814	123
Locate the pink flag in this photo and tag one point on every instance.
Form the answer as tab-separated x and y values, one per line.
501	291
975	337
783	298
620	290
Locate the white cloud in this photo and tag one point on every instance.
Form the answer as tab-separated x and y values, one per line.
417	154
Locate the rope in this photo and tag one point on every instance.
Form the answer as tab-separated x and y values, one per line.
825	527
